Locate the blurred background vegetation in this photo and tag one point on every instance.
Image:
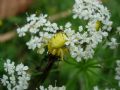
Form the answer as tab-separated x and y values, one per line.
76	76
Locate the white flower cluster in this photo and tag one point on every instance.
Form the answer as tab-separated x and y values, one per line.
92	10
16	77
96	88
52	88
117	77
40	26
113	43
81	44
35	24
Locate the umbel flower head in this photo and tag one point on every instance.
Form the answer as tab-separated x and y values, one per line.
60	40
16	77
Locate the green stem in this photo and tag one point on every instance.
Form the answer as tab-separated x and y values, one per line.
40	79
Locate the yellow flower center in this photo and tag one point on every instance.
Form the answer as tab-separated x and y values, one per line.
98	25
56	44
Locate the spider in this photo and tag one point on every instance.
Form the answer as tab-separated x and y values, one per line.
56	45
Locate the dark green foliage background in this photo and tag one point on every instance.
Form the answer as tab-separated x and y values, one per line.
75	76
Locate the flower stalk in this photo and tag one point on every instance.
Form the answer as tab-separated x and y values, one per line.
40	79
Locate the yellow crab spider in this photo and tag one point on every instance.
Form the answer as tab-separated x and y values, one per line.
56	45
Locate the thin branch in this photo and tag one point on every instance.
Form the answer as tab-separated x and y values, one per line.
40	79
7	36
60	15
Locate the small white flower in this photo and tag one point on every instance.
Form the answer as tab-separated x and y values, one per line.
110	89
117	69
4	80
21	69
118	30
113	43
68	25
9	67
34	43
12	79
32	17
95	88
50	87
80	28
